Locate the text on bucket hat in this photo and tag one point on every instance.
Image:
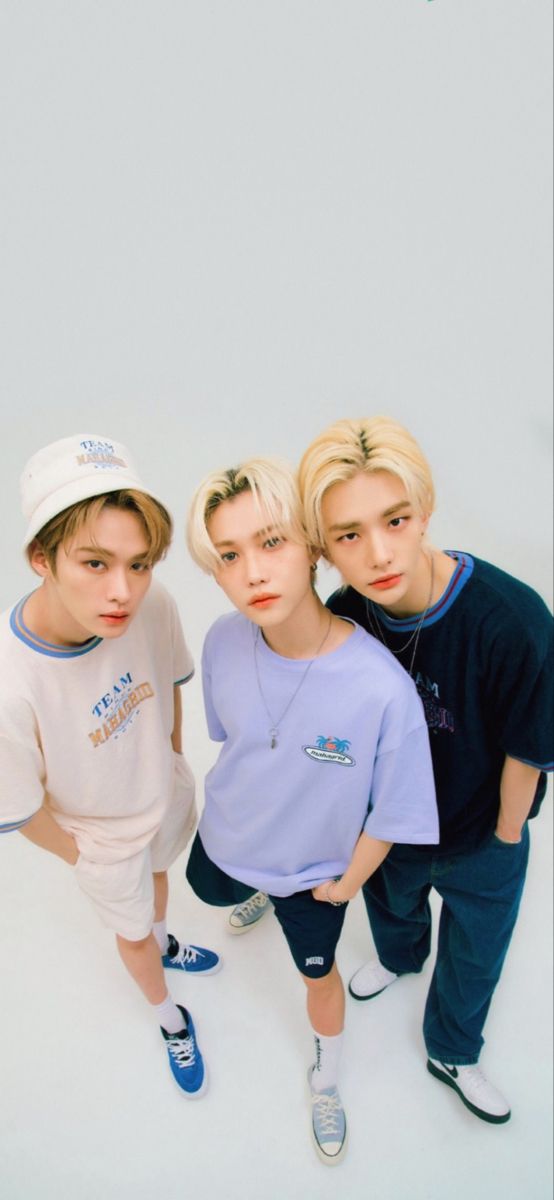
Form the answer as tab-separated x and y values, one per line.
73	469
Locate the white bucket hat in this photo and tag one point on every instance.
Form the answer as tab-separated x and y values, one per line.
73	469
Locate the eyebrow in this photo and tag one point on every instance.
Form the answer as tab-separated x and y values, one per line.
389	512
98	550
259	533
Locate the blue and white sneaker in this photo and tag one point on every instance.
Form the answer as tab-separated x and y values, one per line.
247	914
328	1124
185	1059
195	960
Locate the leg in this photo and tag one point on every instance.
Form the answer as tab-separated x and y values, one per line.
397	904
325	1003
481	896
312	930
143	962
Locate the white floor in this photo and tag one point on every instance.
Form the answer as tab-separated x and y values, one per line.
87	1107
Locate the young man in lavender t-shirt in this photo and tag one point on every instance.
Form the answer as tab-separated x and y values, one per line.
325	760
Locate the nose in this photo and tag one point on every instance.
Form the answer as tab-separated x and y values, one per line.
119	591
379	553
256	572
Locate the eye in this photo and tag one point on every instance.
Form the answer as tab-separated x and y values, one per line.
140	567
397	522
272	543
95	564
229	557
349	537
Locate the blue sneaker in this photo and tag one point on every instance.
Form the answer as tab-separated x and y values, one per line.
247	914
195	960
185	1059
328	1125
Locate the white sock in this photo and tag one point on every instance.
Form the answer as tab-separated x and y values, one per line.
327	1055
169	1016
159	929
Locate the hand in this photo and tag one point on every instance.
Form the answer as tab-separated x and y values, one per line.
321	892
71	850
506	833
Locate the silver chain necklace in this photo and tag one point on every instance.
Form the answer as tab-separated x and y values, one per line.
376	628
274	729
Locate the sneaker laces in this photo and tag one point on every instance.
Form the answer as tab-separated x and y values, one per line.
249	907
186	954
328	1111
181	1047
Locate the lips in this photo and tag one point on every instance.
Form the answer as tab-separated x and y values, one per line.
116	618
386	581
265	598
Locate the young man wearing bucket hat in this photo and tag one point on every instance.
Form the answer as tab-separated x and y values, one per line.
91	767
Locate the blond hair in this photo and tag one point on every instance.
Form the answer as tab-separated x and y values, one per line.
365	445
62	528
273	486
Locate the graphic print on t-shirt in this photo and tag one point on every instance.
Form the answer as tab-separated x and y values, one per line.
330	749
119	707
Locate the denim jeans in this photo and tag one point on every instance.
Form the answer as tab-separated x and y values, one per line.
481	891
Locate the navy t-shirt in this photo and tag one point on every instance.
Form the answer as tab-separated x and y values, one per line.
484	670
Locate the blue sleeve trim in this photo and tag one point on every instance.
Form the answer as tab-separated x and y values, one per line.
549	766
180	682
11	825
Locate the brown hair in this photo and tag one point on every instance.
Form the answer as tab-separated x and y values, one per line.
60	530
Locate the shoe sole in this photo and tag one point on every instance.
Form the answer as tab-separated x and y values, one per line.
477	1112
372	995
238	929
206	971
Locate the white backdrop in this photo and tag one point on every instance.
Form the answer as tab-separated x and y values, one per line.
227	223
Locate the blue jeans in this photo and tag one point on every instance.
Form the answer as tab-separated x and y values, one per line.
481	892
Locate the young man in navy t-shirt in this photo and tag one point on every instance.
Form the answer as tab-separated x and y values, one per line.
478	644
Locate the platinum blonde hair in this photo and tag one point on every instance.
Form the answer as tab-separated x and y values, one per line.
365	445
275	491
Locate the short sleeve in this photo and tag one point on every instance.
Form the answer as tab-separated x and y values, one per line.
183	663
215	728
403	805
22	772
519	687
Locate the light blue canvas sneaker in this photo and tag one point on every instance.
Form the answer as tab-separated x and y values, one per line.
328	1124
195	960
185	1059
247	914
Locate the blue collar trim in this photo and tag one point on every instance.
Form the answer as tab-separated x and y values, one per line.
34	642
463	572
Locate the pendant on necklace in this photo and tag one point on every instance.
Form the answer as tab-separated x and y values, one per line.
273	736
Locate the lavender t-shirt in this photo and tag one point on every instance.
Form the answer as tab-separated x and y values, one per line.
352	754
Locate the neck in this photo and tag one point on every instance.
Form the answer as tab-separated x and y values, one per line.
301	635
419	595
50	623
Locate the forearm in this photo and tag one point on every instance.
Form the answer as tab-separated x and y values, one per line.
518	785
368	854
176	736
45	832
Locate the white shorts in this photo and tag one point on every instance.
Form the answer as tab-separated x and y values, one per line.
123	892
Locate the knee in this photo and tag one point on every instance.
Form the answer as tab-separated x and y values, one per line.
324	985
134	946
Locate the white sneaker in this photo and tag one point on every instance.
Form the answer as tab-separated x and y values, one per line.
245	915
474	1090
370	980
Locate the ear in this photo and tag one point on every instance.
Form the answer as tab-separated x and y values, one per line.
315	555
426	517
39	561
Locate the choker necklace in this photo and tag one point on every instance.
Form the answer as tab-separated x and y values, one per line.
377	630
274	730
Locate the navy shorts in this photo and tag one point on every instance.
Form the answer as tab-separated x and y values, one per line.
312	928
